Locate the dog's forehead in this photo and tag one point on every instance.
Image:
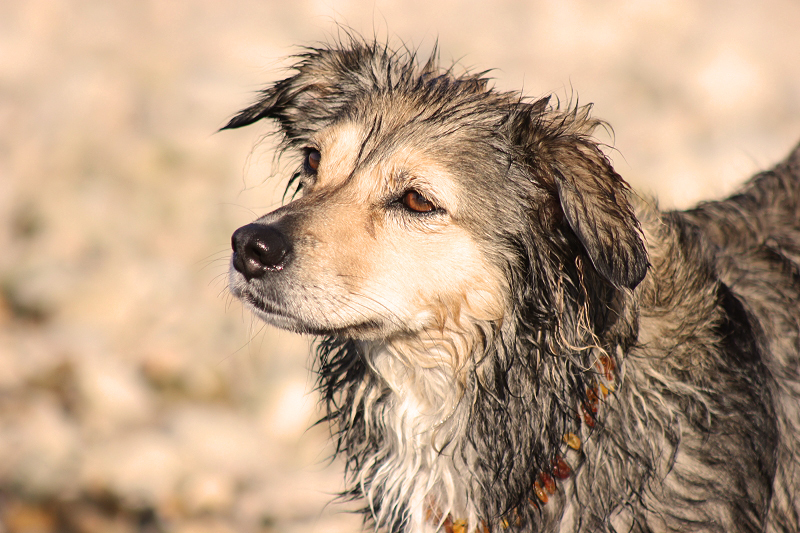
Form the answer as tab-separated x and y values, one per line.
340	146
354	152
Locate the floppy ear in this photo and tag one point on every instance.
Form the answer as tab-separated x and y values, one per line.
593	197
304	102
326	82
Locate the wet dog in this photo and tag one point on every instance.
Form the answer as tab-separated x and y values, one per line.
509	338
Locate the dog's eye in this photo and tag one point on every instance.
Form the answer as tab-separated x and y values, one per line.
312	160
414	201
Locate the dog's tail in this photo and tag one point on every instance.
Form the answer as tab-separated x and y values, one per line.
768	207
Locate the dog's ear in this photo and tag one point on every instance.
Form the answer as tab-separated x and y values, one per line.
593	197
327	80
304	102
595	203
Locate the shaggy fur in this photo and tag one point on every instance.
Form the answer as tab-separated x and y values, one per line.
510	340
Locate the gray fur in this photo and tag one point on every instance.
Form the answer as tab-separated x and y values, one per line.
698	311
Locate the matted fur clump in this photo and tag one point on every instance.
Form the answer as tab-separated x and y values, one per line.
511	340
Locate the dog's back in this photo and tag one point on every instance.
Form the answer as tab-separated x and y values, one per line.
756	234
768	207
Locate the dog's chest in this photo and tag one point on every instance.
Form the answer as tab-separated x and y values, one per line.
423	470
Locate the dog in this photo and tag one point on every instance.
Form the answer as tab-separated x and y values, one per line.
508	338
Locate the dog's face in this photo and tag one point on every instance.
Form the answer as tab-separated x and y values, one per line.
421	194
377	245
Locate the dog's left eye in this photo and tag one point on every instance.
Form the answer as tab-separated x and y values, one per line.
311	162
414	201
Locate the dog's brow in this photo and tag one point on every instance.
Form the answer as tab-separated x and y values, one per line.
380	143
363	146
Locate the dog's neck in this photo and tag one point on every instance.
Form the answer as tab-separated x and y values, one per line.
422	471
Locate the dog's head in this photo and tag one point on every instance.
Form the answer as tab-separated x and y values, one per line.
425	198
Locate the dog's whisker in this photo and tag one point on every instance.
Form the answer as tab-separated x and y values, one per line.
217	257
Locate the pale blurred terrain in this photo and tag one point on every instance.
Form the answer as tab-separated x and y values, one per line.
135	395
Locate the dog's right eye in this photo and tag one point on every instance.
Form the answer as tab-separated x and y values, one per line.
311	162
414	201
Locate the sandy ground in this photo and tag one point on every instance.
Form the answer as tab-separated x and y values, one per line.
135	395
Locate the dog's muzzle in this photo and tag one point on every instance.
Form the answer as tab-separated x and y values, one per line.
258	249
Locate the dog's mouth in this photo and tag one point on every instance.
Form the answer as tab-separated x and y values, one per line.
266	309
263	306
281	316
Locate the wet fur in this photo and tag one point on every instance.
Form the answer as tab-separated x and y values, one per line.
454	400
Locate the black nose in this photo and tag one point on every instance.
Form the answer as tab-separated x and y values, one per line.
257	249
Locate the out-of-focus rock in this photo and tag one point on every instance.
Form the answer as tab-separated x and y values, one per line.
142	468
114	395
214	439
208	493
204	526
290	410
22	517
82	518
40	447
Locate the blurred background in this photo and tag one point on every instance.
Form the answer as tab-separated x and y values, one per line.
135	394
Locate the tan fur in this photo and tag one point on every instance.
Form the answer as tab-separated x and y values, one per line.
477	272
